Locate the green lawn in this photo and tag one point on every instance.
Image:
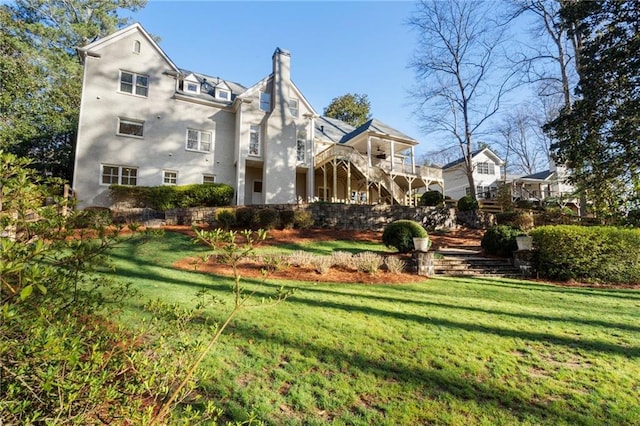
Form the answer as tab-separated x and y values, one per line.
440	351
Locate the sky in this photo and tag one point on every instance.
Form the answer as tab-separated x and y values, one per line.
337	47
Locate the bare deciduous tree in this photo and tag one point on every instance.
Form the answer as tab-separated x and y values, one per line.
457	64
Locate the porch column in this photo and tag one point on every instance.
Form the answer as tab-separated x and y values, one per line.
410	194
324	178
335	180
413	160
368	152
393	159
348	182
312	160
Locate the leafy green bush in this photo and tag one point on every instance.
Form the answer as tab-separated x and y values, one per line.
246	217
268	218
500	240
520	219
167	197
287	219
400	234
593	254
431	198
225	218
302	219
467	204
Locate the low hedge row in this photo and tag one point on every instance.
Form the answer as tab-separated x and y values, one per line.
167	197
249	218
596	254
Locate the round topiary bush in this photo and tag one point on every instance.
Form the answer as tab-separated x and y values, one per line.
500	240
467	204
400	234
431	198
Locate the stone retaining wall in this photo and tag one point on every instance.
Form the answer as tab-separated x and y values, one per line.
326	215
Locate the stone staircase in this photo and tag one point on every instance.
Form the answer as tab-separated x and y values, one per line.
468	261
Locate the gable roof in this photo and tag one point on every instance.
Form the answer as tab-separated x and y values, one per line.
376	126
544	175
340	132
91	48
332	129
475	153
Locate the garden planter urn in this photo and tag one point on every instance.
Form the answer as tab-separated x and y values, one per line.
421	244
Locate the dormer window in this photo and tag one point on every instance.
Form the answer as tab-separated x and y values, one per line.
223	94
191	87
265	101
293	107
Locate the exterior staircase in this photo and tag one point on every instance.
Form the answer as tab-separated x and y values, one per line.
468	261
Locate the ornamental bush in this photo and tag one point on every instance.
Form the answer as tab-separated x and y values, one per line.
598	254
467	204
268	218
520	219
400	234
225	218
302	219
500	240
246	217
167	197
431	198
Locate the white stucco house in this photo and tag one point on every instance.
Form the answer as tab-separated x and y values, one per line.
145	121
487	175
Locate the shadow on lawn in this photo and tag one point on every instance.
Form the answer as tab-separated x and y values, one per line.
430	381
149	271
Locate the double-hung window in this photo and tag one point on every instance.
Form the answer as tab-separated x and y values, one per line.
265	101
293	107
198	140
301	146
486	168
169	177
128	127
254	141
118	175
135	84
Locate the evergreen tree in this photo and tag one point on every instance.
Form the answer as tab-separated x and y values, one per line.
598	135
352	108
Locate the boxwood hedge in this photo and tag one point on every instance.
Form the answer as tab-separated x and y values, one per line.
167	197
399	234
597	254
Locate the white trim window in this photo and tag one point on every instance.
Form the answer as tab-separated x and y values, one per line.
131	128
294	107
208	178
223	94
486	168
301	146
198	140
191	87
134	84
255	142
265	101
169	177
118	175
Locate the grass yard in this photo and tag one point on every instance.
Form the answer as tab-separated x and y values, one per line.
439	351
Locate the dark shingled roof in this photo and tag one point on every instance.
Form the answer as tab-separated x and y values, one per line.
461	160
340	132
539	176
333	129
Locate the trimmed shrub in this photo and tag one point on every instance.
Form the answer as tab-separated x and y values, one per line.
246	217
268	218
287	219
467	204
368	261
521	220
400	234
302	219
167	197
342	259
395	265
500	240
431	198
225	218
598	254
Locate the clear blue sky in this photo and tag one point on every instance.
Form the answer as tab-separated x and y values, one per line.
336	47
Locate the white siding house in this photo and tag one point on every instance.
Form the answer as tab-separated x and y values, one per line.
145	121
486	175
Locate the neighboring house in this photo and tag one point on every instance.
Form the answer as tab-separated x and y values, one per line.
486	175
145	121
548	184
